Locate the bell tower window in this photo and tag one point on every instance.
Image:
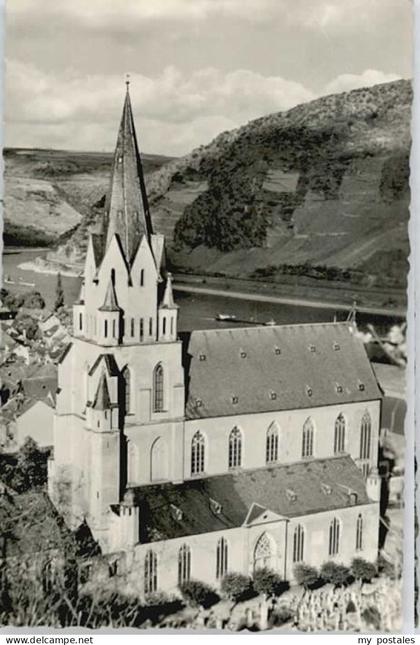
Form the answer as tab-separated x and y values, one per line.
142	278
158	392
106	328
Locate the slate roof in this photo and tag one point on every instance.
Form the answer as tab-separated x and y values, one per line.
285	367
110	363
102	399
127	209
110	302
317	485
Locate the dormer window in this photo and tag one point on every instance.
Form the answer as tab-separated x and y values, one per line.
176	512
361	386
202	357
273	396
234	400
353	498
308	390
339	388
243	353
277	351
336	347
326	489
198	403
215	506
312	348
291	495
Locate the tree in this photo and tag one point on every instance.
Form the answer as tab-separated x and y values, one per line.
306	575
236	587
363	570
268	582
198	593
33	300
59	293
337	574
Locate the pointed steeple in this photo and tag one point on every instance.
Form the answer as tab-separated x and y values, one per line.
110	302
102	399
168	297
126	208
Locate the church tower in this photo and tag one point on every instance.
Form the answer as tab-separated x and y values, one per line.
120	408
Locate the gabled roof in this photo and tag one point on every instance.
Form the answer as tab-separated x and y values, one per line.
110	365
263	369
318	485
126	208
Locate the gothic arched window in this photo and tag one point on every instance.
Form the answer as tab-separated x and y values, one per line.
308	438
298	543
221	558
272	444
339	434
184	564
127	389
197	453
158	392
263	553
235	448
359	533
150	573
365	436
334	537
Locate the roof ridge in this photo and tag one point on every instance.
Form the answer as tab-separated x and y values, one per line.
342	323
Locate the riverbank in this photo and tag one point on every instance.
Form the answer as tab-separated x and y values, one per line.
43	266
300	302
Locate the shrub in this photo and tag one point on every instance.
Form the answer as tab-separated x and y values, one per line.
196	592
280	616
337	574
268	582
306	575
386	568
363	570
236	587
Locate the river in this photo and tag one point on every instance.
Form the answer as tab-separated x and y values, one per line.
197	311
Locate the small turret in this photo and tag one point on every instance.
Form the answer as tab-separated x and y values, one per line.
129	520
109	318
168	313
101	413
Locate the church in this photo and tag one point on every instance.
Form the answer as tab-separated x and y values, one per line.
193	455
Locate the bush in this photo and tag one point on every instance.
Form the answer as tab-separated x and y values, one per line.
196	593
280	616
268	582
236	587
337	574
386	568
363	570
33	300
306	575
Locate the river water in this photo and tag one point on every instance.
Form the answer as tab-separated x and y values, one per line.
197	311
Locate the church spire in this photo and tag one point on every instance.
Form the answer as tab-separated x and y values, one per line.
127	208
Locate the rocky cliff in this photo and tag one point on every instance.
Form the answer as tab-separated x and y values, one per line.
323	184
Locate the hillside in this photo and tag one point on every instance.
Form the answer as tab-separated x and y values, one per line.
322	185
49	193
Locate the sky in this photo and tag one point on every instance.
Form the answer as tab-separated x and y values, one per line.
197	67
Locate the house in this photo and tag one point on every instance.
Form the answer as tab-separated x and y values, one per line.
215	451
